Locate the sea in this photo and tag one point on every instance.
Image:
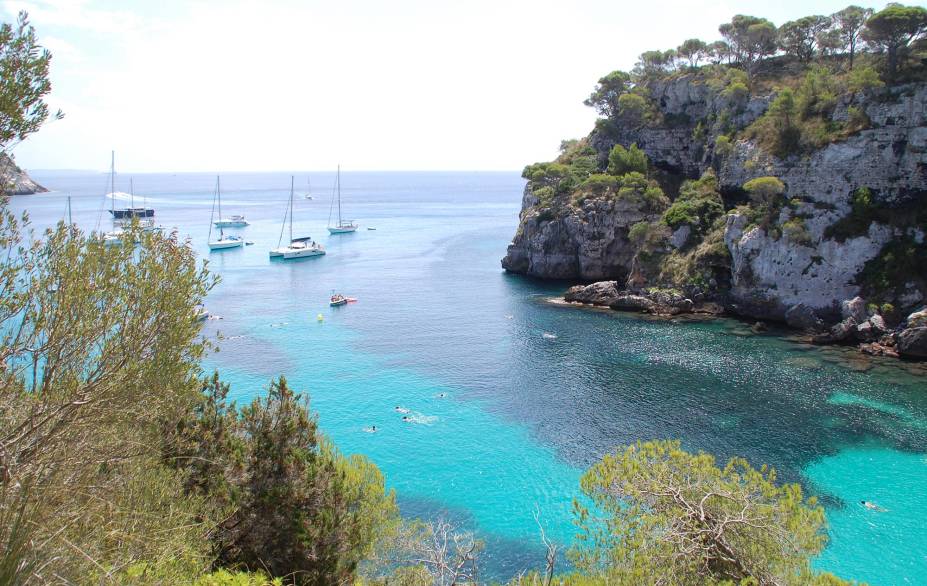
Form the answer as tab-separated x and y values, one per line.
509	396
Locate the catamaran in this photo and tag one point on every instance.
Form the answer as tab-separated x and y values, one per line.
233	221
343	226
224	241
298	247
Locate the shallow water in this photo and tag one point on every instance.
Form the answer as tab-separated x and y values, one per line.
511	396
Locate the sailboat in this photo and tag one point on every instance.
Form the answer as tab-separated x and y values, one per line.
113	237
145	223
343	226
298	247
308	188
224	241
129	212
233	221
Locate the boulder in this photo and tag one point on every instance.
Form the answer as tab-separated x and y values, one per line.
918	318
802	317
912	342
871	329
841	333
853	308
681	236
633	303
601	293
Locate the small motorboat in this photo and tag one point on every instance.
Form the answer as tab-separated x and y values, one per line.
338	299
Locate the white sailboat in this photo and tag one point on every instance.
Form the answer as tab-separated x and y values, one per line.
233	221
343	226
298	247
308	188
224	241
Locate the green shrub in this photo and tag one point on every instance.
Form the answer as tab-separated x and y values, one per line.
633	108
635	188
622	161
599	183
764	190
884	276
863	211
796	231
863	79
544	194
583	166
723	146
857	120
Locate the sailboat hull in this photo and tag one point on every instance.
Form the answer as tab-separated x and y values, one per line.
223	244
230	223
341	229
132	213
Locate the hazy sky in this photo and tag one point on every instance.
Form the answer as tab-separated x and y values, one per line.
281	85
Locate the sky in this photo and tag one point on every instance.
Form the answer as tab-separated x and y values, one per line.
273	85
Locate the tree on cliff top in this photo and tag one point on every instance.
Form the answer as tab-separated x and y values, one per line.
751	39
663	515
850	22
607	93
24	82
894	29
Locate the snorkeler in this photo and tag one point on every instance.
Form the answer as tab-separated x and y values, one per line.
873	506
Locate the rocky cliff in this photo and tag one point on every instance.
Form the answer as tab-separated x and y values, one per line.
849	222
15	181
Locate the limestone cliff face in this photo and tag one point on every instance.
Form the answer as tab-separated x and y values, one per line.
15	181
589	243
771	269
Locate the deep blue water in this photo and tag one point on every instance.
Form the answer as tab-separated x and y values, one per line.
511	395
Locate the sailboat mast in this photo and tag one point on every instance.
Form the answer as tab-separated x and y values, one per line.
70	221
291	208
112	180
131	193
219	197
339	195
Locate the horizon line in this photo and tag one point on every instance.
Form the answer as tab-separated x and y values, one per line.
107	171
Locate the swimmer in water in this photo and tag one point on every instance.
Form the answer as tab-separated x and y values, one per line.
407	419
371	429
442	395
873	506
401	409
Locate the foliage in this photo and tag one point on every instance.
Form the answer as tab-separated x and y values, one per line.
636	188
863	79
662	515
97	344
863	211
604	97
893	29
750	39
795	229
723	146
633	108
699	204
24	82
799	38
900	258
693	51
300	508
764	190
849	25
226	578
622	161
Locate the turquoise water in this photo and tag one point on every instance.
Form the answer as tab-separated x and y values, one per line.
512	396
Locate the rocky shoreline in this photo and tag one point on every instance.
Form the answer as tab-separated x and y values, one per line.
859	325
15	181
